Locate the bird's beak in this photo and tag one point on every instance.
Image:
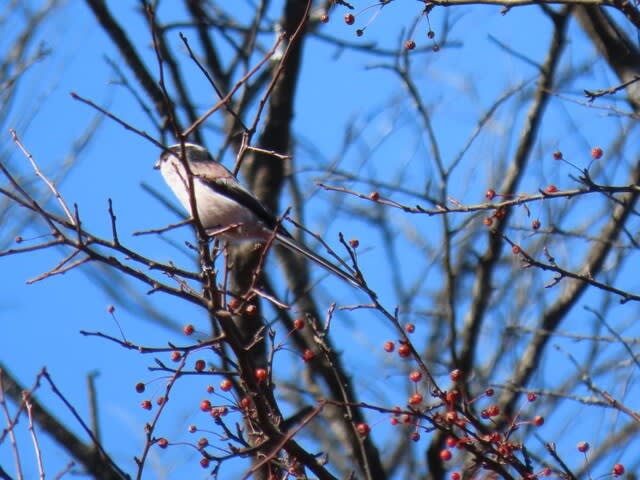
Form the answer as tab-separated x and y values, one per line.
160	160
163	156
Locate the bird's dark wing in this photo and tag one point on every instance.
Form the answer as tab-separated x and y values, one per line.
230	188
236	192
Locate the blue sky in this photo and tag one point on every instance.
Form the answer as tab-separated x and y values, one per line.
40	322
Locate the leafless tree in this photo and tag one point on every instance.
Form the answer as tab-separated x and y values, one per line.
481	296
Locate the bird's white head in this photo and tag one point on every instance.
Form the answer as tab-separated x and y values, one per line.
193	152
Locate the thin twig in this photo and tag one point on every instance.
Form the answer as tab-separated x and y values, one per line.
39	173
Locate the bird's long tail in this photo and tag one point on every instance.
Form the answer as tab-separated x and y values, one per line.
297	247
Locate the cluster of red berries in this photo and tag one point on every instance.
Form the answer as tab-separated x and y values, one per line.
596	154
350	19
404	350
503	446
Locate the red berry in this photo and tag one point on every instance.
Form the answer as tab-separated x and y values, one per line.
307	355
551	189
436	48
359	32
415	399
375	196
415	376
192	429
445	454
245	403
210	389
324	18
203	443
410	328
205	405
394	421
363	429
176	356
349	19
251	310
389	346
415	436
140	387
451	442
431	34
452	398
298	324
515	249
234	304
596	153
409	44
188	329
111	309
582	447
404	350
489	392
261	374
160	400
500	213
557	155
491	194
163	442
456	374
493	410
226	385
538	420
535	224
488	221
354	243
200	365
146	404
618	469
505	450
204	462
455	476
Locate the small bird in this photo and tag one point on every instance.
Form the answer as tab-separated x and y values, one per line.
225	208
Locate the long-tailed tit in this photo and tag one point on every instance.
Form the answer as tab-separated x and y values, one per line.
226	208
